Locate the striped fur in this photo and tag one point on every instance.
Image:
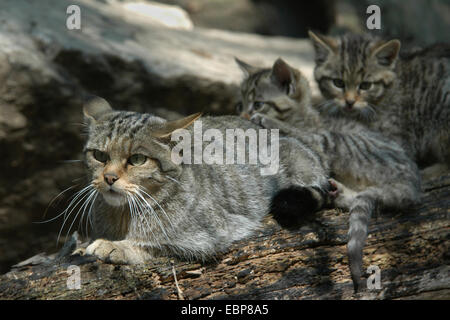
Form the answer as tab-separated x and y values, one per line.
370	171
192	211
405	97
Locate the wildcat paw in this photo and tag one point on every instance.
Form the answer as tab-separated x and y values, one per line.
108	251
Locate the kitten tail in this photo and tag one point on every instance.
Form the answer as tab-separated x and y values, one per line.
360	215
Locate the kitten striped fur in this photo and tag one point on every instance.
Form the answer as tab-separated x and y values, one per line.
149	206
370	171
405	97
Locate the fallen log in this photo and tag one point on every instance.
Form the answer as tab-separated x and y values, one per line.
411	249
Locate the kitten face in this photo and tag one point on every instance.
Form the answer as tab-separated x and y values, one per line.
270	91
259	95
354	73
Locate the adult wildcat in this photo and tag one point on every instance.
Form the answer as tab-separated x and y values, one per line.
147	205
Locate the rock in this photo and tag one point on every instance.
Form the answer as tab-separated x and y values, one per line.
131	57
414	22
276	18
10	121
159	14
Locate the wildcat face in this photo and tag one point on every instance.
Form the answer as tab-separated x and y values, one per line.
119	167
274	92
354	73
126	153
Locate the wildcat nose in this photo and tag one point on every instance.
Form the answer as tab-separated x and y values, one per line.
110	178
350	103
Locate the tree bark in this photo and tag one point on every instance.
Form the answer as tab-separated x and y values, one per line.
410	248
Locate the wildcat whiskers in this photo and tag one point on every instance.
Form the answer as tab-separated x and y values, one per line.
173	179
83	197
134	214
71	161
139	210
52	201
331	108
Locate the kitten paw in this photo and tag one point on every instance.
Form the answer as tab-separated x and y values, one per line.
341	195
334	189
108	251
264	121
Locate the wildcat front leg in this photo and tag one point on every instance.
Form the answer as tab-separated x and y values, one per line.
118	252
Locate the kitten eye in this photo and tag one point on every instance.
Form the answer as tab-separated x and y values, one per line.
239	107
339	83
257	105
365	85
137	159
100	156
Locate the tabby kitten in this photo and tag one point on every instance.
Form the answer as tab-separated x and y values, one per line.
141	204
406	98
373	172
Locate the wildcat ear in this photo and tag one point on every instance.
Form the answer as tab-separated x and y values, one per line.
168	127
323	46
283	76
387	52
245	67
94	107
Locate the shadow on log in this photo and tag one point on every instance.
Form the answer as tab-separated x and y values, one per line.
411	250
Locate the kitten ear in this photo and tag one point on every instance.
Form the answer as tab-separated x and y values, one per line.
323	46
387	52
167	128
245	67
94	107
283	76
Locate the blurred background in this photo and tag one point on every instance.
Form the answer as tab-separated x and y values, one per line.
168	57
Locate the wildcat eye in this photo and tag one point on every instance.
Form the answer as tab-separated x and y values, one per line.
339	83
239	107
100	156
257	105
365	85
137	159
